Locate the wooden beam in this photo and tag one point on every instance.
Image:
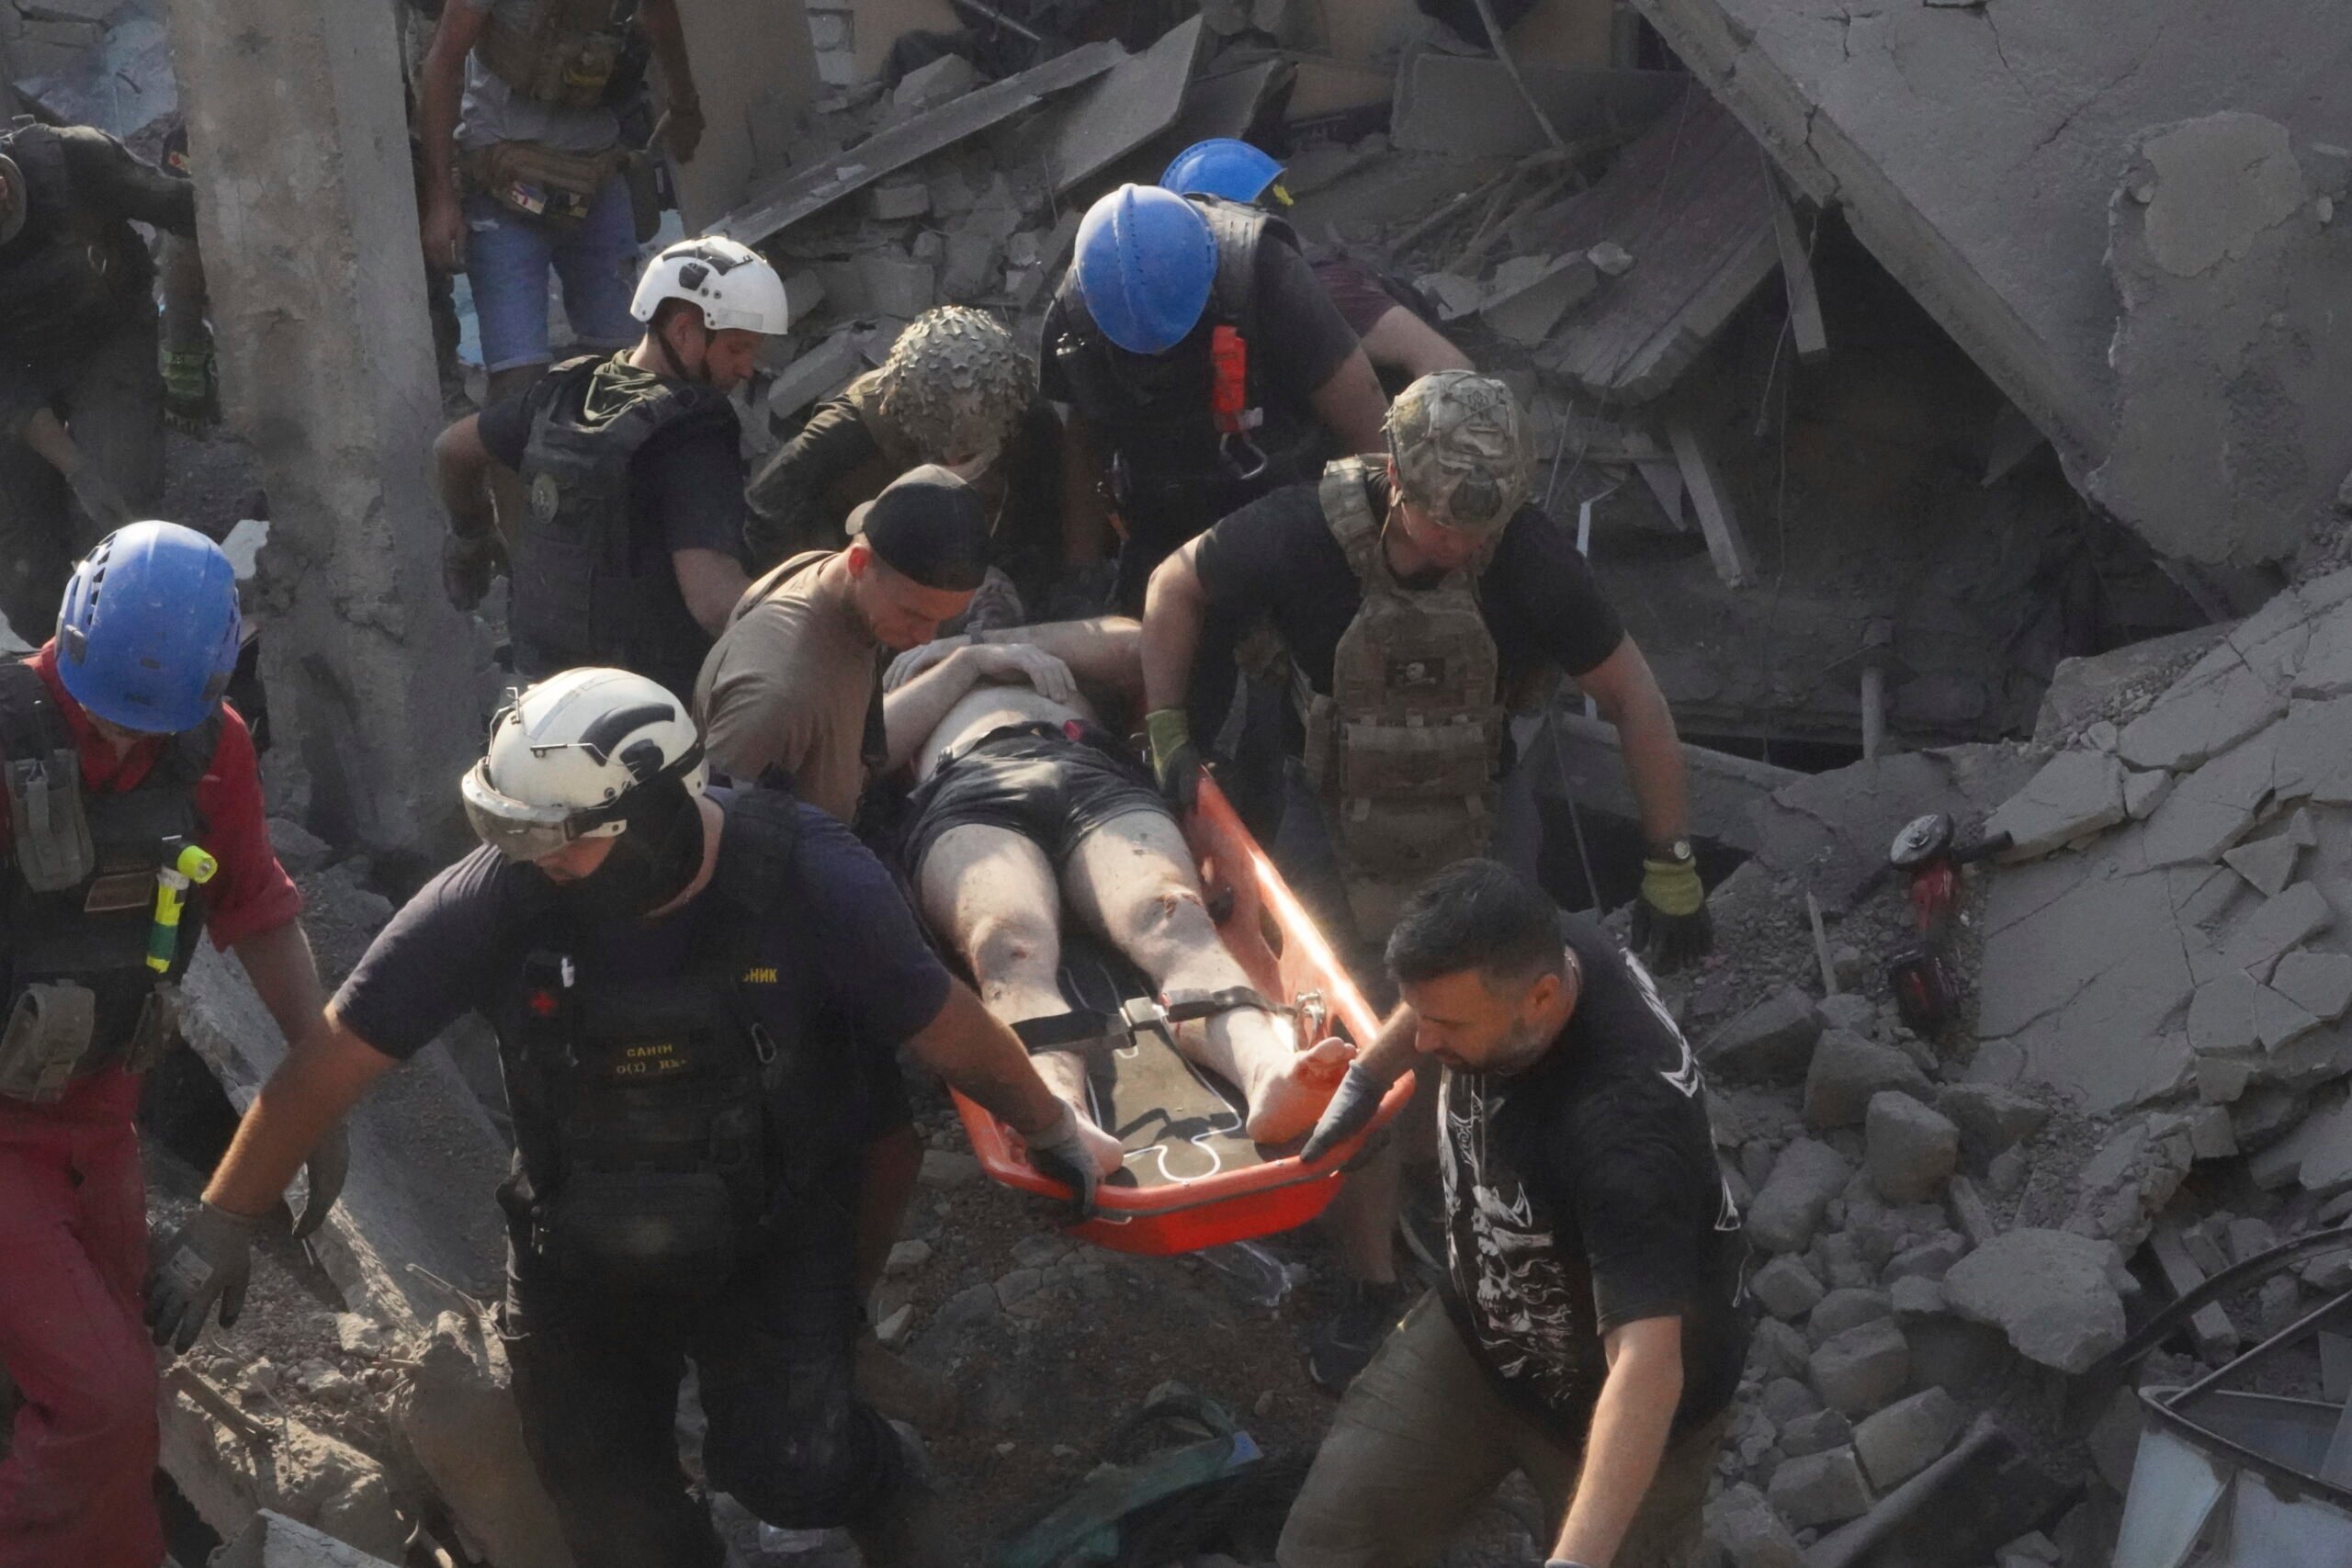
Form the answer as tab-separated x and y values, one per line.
1796	275
1725	543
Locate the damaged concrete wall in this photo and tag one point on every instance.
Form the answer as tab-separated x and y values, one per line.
755	70
1974	150
307	215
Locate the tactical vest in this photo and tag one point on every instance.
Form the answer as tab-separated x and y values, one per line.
1403	750
587	590
80	993
64	278
570	53
665	1132
1153	411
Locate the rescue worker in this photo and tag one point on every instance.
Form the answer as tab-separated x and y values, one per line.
1416	595
955	390
1588	1332
678	978
1388	315
81	393
123	767
1202	364
519	98
632	553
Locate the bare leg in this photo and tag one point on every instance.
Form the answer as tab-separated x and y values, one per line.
989	893
1132	879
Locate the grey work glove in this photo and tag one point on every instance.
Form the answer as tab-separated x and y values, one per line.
329	1163
1353	1105
467	565
209	1259
1061	1155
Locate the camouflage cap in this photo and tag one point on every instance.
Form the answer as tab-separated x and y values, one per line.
955	383
1460	444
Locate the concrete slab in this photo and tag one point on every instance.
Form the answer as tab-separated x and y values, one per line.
2255	943
2222	1013
273	1540
2215	806
1136	101
2278	1020
2049	1291
2319	983
2075	793
2314	755
2267	864
1974	151
2201	717
2143	792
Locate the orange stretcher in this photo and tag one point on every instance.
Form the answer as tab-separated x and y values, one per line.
1193	1177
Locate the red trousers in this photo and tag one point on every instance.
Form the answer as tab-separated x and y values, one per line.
77	1488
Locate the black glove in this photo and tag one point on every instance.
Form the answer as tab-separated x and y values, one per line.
1175	761
1672	925
467	564
1353	1105
329	1163
208	1259
1060	1156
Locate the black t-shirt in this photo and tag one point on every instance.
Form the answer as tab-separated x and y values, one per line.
1302	338
1277	555
838	962
687	483
1583	1195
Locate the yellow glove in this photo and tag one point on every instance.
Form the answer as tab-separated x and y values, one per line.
1671	924
1175	762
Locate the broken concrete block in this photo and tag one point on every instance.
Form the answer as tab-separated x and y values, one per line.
456	1412
303	1475
1847	1070
1906	1436
1610	259
2267	863
2319	983
1786	1287
1804	1179
1910	1150
1748	1533
1991	1119
2257	941
1772	1041
1529	294
1847	1009
2050	1292
1847	1307
2200	718
2142	793
2278	1021
2222	1013
1916	1295
273	1540
892	200
1821	1489
2213	807
928	86
897	285
1930	1260
2075	793
2311	760
1859	1370
2123	1188
819	373
1816	1433
1777	1349
2210	1136
1456	295
973	266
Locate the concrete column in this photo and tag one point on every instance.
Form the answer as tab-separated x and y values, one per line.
306	211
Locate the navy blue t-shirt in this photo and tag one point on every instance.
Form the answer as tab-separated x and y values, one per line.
840	959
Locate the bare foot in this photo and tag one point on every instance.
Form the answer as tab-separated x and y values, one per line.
1284	1104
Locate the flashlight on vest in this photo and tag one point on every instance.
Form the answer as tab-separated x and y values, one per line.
188	867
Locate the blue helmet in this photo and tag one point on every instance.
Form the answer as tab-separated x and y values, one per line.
1222	166
1145	262
147	636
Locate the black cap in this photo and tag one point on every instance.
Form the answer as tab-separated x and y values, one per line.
928	526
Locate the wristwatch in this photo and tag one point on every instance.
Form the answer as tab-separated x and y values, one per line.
1678	851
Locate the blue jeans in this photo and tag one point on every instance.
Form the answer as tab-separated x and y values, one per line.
507	257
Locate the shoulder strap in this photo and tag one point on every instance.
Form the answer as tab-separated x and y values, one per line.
762	837
1347	514
1238	231
31	726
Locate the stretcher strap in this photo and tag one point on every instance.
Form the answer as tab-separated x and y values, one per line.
1075	1030
1183	1007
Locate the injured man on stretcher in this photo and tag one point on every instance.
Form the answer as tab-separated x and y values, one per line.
1026	812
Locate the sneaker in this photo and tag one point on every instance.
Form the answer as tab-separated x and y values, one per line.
1340	1345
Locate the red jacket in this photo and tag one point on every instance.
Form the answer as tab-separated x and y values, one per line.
252	893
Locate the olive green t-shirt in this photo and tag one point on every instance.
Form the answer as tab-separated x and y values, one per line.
789	685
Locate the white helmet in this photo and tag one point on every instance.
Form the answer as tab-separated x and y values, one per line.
732	283
565	756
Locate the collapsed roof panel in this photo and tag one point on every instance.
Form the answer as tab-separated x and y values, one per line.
1976	151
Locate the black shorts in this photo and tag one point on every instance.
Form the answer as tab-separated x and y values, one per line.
1029	779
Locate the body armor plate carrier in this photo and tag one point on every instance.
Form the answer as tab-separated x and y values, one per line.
81	994
1154	411
66	279
569	53
587	590
1404	749
665	1132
